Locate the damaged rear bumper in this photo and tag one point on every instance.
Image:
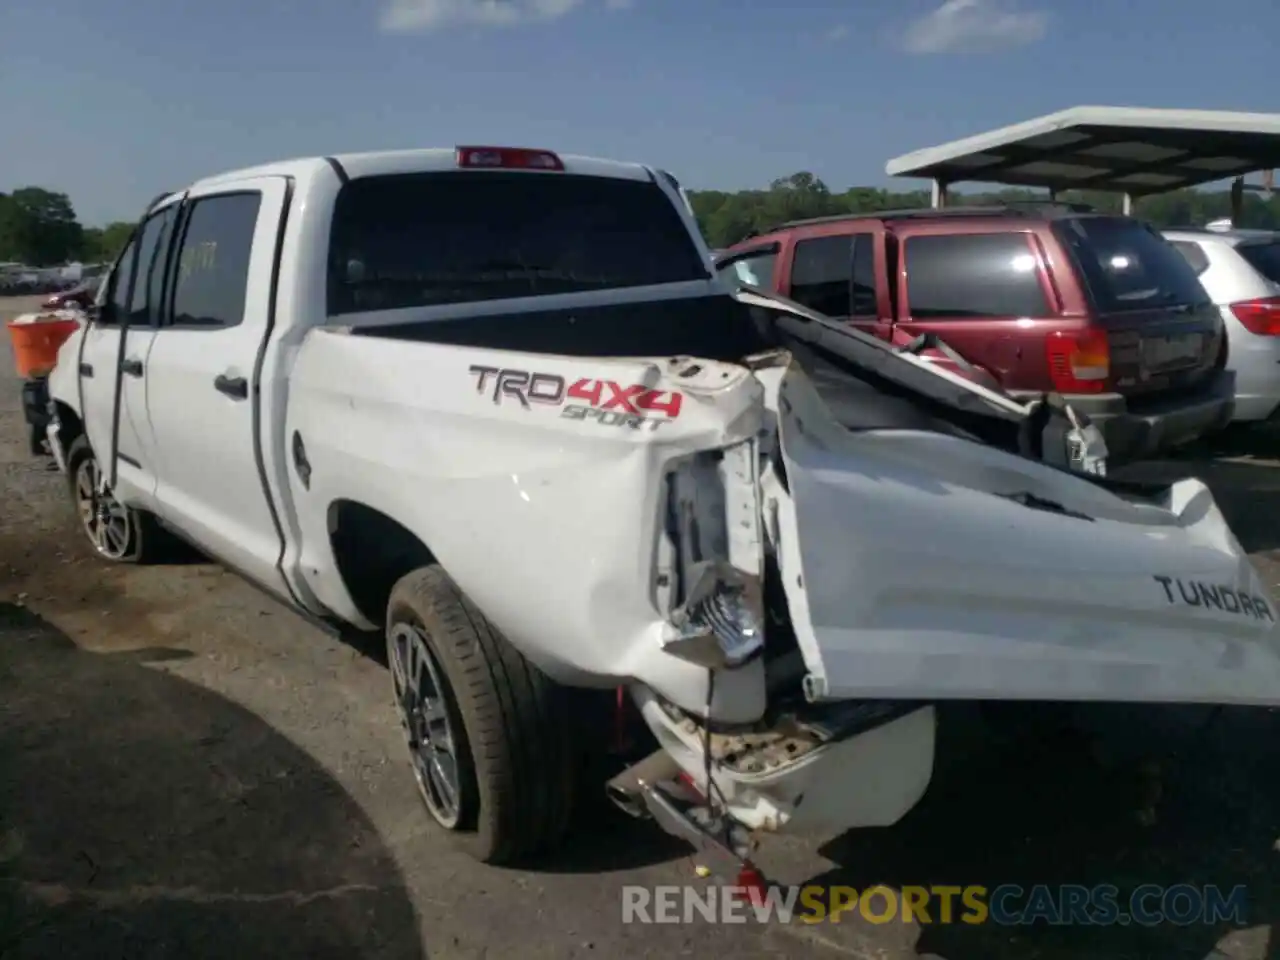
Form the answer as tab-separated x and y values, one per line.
813	770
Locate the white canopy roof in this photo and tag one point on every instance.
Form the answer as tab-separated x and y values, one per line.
1124	149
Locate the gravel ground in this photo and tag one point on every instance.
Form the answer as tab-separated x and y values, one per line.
189	770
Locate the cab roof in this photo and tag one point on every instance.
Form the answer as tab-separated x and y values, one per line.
438	159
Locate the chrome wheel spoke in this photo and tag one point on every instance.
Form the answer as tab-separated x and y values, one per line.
106	522
116	534
425	717
443	771
433	713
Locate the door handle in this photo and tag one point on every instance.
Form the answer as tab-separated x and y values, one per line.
132	366
86	369
237	388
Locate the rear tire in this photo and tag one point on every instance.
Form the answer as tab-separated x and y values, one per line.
117	534
471	704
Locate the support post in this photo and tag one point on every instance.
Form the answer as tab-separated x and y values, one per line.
1053	194
939	194
1127	205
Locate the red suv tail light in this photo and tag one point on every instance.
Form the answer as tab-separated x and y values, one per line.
1259	316
1079	362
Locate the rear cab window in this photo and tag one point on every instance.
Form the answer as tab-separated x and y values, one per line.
974	275
427	239
1263	256
1126	265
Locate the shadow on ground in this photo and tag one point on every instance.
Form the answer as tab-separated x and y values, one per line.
1078	809
143	816
1242	468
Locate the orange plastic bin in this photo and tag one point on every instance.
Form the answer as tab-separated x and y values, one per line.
35	345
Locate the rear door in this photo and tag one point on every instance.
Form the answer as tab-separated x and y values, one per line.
1164	332
985	294
202	375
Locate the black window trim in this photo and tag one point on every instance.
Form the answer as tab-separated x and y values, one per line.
189	203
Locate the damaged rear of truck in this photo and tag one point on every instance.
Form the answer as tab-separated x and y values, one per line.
496	403
661	495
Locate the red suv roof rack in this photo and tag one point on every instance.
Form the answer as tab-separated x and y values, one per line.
1011	208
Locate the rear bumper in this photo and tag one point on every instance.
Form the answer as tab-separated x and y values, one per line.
1135	431
867	775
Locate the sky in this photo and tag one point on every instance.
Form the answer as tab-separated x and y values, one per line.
115	101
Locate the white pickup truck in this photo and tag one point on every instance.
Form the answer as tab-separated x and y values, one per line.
495	403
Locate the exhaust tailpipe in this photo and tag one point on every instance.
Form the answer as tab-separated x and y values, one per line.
626	790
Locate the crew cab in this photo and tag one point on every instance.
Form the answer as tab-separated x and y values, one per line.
497	404
1032	297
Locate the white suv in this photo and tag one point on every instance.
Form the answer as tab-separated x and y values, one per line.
1240	270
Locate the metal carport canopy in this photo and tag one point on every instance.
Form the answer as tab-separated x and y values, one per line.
1127	150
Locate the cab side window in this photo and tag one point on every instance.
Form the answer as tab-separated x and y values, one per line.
121	282
153	244
211	267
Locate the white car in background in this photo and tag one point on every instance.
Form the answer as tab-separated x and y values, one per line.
1240	270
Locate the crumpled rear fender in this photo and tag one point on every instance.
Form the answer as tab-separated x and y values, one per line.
536	481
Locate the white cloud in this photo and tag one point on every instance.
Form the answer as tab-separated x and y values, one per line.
420	16
974	26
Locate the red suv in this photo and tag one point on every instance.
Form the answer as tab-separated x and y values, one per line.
1037	298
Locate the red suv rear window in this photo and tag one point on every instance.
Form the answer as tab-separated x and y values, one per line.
1127	265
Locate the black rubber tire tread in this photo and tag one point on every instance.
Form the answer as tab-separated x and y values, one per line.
149	540
514	721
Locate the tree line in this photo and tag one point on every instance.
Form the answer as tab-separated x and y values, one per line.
725	218
39	227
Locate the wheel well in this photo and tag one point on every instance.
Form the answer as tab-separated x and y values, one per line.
70	425
372	552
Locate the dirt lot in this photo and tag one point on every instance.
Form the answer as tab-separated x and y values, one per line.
189	770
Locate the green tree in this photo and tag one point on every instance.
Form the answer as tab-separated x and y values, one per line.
39	227
103	244
726	218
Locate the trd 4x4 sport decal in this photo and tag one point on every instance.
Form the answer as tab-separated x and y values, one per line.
601	401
